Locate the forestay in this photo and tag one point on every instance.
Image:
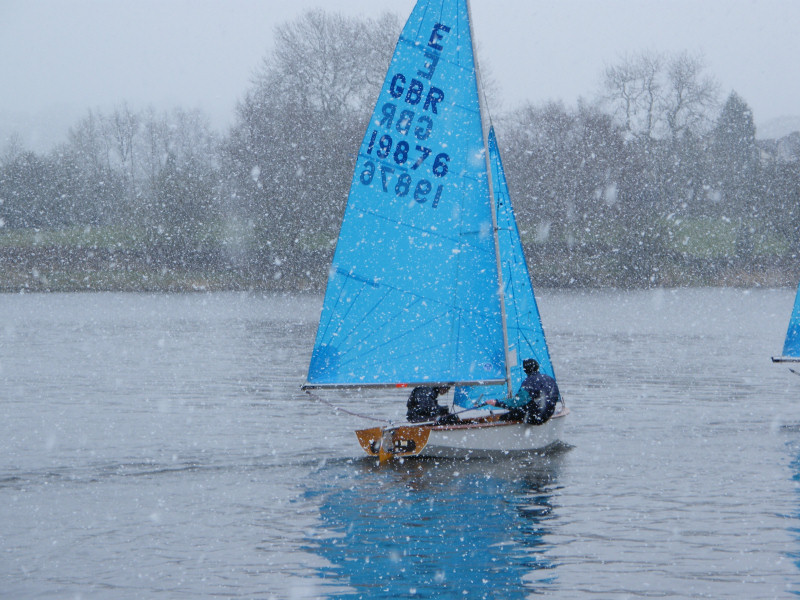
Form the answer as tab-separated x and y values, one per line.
412	293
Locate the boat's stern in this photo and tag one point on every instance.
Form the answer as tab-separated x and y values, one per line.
394	442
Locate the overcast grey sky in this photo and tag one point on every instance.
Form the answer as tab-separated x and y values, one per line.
62	57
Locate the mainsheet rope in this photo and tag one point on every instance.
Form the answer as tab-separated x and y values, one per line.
344	410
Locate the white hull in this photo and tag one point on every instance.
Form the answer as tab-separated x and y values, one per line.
458	441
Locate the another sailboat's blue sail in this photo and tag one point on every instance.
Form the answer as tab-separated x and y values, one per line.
525	333
412	293
791	347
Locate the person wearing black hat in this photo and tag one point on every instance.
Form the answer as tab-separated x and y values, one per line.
422	405
536	400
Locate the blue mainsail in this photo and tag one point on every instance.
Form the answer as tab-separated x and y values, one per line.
412	293
525	332
791	347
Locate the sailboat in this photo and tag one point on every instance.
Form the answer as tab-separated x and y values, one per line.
791	347
429	284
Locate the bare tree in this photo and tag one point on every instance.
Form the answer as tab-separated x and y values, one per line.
329	63
290	155
86	141
690	96
14	147
633	88
657	97
121	127
154	134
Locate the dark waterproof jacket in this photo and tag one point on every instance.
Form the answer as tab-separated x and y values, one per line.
536	400
423	406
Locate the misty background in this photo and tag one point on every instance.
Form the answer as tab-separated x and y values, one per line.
657	175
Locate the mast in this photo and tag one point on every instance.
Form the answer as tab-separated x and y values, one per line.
485	129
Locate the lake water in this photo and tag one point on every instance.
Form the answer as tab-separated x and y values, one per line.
159	447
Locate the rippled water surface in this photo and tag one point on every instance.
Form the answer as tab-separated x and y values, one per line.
159	447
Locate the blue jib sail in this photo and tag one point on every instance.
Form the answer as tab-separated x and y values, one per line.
412	293
525	332
791	347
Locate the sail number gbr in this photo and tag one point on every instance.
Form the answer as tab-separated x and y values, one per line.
403	155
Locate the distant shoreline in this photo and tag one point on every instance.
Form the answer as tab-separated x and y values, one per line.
54	269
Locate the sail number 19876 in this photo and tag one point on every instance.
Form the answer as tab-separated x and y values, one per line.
402	153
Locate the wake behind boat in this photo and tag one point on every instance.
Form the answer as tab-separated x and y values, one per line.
429	284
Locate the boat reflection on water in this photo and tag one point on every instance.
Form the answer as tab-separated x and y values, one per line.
437	529
794	529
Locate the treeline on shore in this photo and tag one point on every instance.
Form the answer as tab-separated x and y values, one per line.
657	181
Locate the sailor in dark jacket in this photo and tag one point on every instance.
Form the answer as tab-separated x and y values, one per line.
536	400
423	406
